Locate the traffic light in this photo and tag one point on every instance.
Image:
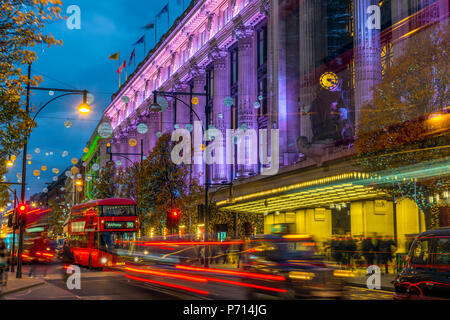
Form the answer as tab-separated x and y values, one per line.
172	218
22	210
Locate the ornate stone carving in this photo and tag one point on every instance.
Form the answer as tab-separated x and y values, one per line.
265	7
189	44
218	55
242	32
210	19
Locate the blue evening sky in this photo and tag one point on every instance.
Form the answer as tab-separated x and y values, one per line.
107	26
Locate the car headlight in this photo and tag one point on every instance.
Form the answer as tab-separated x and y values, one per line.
298	275
343	273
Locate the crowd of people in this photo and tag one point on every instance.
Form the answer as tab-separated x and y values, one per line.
353	252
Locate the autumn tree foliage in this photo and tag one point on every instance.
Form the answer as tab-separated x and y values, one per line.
56	218
22	24
159	185
407	122
103	186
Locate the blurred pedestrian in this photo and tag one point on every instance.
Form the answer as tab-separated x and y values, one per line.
67	256
368	251
4	257
386	247
337	249
350	248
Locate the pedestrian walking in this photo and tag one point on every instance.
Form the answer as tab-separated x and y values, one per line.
4	258
386	247
350	248
368	251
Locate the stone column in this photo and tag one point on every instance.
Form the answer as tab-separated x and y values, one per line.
367	52
168	117
198	82
221	113
123	149
153	128
247	114
182	115
136	149
309	14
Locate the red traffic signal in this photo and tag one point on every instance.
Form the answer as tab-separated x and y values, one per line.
174	214
22	208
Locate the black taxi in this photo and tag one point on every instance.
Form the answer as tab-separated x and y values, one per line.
426	274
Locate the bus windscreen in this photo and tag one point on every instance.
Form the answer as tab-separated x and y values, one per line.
118	211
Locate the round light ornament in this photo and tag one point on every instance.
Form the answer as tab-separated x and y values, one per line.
189	127
68	124
132	142
44	168
142	128
36	173
105	130
195	101
74	161
95	167
228	101
74	170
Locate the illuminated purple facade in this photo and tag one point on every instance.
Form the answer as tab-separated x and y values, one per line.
275	59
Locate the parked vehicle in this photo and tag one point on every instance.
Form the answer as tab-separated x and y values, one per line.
427	271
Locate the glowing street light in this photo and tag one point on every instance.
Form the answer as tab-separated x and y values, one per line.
84	108
9	163
79	183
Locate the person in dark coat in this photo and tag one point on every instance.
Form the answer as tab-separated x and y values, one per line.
336	249
67	255
350	248
385	247
368	251
4	259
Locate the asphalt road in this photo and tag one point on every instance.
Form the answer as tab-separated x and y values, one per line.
98	285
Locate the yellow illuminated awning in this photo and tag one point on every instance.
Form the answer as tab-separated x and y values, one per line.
321	192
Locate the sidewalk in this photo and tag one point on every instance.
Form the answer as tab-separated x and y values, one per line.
14	284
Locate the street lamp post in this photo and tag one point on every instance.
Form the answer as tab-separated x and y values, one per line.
83	108
174	95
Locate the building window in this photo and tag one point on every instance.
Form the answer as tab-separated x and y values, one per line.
225	16
210	90
262	69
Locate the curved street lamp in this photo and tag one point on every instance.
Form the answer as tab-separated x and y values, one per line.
84	108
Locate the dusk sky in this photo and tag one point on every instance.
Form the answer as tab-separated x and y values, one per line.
82	63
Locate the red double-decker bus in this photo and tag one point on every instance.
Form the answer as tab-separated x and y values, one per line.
100	230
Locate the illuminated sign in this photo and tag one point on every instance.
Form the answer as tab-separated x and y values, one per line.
119	225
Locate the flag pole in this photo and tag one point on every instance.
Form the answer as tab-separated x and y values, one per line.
118	60
145	51
156	26
168	15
